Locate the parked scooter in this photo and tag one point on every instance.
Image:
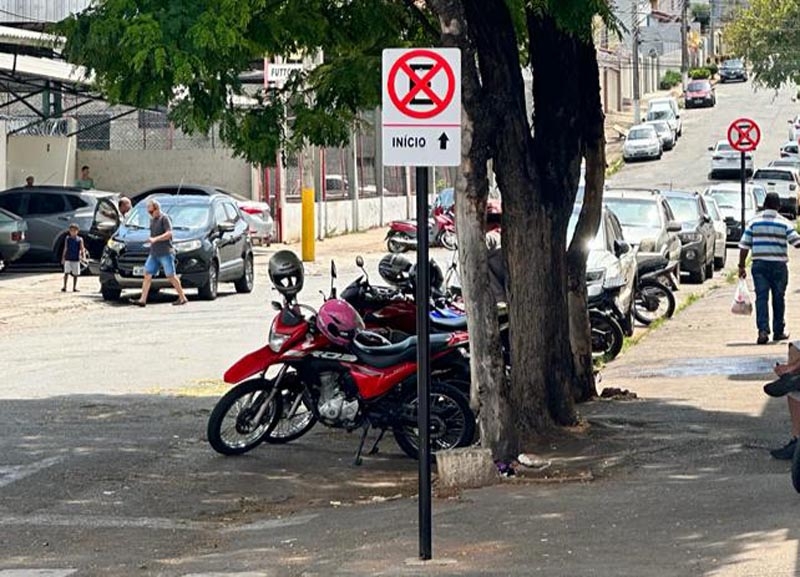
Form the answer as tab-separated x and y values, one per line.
608	325
653	299
329	369
402	234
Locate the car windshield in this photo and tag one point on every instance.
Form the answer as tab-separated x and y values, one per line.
597	243
772	175
660	126
731	199
183	216
635	212
660	114
761	194
685	209
732	64
698	86
640	134
713	210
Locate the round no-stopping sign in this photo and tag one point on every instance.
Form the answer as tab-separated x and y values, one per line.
744	135
431	84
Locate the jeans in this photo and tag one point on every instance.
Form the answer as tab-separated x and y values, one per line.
770	277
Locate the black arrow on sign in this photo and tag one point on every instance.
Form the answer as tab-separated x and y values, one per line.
443	140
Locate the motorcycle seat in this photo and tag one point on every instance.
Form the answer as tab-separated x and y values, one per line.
385	356
451	324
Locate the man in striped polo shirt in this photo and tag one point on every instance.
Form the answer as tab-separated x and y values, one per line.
768	236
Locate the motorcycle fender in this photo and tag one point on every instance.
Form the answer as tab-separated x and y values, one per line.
250	364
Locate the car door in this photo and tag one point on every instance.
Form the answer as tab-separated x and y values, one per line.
48	220
105	222
706	228
224	239
673	240
626	262
241	236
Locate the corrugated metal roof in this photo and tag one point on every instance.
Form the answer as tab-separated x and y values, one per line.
39	10
22	37
46	68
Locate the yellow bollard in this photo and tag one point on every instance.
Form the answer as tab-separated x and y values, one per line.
308	225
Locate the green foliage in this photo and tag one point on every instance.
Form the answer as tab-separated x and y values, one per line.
712	68
767	34
699	73
701	13
670	79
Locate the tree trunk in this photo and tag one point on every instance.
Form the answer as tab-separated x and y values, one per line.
489	385
583	384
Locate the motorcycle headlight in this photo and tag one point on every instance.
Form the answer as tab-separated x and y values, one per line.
595	276
687	237
115	245
276	341
187	246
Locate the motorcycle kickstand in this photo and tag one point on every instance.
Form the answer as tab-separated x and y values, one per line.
374	449
357	462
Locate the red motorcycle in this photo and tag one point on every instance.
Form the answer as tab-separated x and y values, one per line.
325	367
402	235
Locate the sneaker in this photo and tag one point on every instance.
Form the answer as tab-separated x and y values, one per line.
783	385
786	452
781	337
763	338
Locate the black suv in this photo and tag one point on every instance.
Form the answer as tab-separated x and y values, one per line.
698	236
732	70
211	242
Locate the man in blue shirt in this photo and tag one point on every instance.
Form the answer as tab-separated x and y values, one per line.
768	236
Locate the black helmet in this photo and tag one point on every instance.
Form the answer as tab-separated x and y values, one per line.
436	276
286	273
394	268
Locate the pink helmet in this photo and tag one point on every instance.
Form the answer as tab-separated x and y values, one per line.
339	321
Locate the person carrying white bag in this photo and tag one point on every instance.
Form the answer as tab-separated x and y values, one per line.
742	304
768	236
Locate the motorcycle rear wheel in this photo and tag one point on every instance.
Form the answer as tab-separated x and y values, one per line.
448	240
607	336
652	290
452	421
394	246
243	403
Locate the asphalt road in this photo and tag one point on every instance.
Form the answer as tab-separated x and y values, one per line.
104	467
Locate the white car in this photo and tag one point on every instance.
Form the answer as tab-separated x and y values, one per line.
665	133
728	198
790	149
720	250
726	160
672	103
794	128
663	112
783	180
642	142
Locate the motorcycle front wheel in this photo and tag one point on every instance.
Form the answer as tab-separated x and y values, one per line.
448	240
607	336
652	301
452	421
296	417
241	420
394	245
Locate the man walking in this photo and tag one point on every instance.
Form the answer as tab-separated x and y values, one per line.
162	254
768	235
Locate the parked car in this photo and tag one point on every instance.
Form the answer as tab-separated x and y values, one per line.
611	262
790	149
642	142
720	246
727	161
647	223
794	128
788	162
12	237
785	182
728	197
732	70
257	214
211	246
665	133
698	235
672	103
699	93
666	114
48	211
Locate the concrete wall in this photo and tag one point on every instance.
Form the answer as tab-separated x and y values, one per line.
134	170
336	217
50	159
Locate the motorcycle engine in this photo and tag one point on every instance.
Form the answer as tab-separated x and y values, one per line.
335	409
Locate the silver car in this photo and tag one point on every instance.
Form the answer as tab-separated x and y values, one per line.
665	133
642	142
12	237
49	210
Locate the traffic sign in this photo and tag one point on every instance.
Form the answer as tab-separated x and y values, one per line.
744	135
421	115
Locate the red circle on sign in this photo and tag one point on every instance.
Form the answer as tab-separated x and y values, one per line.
744	135
420	84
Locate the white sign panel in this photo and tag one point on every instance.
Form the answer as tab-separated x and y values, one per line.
421	117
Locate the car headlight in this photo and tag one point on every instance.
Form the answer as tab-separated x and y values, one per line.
276	341
187	246
115	245
595	276
687	237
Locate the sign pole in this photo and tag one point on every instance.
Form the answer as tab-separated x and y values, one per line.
423	360
744	185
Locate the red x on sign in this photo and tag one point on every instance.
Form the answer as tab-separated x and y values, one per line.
744	135
422	100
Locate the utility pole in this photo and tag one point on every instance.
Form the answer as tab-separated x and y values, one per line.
637	118
684	44
712	40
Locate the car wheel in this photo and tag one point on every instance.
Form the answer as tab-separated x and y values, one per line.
699	276
245	283
719	262
110	293
709	272
208	291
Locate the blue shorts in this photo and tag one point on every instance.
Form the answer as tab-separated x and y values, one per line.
154	263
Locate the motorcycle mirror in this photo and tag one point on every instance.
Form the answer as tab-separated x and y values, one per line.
359	261
333	269
276	305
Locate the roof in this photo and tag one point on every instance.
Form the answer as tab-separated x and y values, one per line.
49	68
630	193
23	37
679	193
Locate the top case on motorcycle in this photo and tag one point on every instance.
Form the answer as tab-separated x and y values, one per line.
386	356
450	324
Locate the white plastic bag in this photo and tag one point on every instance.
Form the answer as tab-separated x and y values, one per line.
742	304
